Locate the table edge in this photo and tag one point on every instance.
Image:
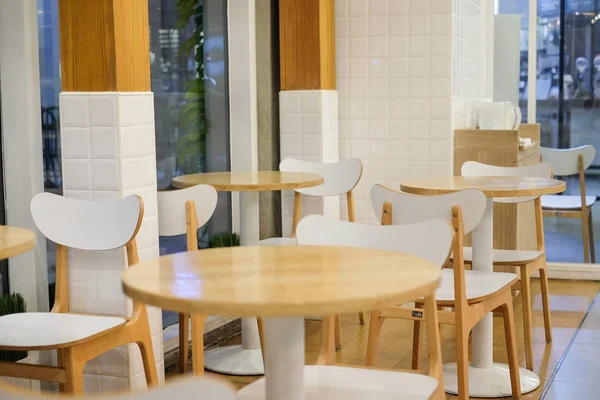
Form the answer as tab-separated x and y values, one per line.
254	187
488	193
18	249
283	310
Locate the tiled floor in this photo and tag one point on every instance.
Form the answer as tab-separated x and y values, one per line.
575	379
578	374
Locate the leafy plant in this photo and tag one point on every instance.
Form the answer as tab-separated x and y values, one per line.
12	304
191	146
224	240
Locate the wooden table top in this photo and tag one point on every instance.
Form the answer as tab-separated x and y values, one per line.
250	181
277	281
491	186
15	241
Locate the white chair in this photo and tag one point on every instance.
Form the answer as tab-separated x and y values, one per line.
568	162
78	338
183	212
470	294
339	382
528	261
183	389
339	178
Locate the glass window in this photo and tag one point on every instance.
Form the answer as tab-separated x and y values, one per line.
50	87
188	65
567	98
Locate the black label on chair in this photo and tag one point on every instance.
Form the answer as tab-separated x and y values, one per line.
417	314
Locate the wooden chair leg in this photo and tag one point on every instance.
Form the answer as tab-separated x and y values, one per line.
527	323
327	352
416	349
361	317
462	361
261	336
145	345
511	347
61	363
338	332
592	243
586	235
546	303
183	342
73	371
198	344
375	324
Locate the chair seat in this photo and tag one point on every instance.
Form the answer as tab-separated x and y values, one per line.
554	202
323	382
278	242
479	284
508	256
51	330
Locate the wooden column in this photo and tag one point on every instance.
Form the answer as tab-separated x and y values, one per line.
308	98
307	44
108	152
104	45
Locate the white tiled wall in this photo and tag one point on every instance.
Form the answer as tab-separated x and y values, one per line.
401	66
469	60
309	131
109	152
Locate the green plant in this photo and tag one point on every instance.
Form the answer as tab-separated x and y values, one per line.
12	304
191	146
224	240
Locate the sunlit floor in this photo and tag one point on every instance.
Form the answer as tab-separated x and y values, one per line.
568	367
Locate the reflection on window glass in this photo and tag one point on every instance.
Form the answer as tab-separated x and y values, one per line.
50	87
567	98
188	67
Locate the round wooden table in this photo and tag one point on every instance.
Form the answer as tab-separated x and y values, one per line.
486	378
283	284
15	241
246	359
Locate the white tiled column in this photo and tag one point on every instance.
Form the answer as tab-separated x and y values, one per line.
108	151
407	71
309	131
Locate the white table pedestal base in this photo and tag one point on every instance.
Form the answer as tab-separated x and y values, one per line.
242	360
235	360
489	382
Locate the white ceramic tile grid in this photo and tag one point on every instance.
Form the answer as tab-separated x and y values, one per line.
469	60
111	154
395	82
309	131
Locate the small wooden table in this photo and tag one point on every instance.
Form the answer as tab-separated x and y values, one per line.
15	241
284	284
246	359
486	378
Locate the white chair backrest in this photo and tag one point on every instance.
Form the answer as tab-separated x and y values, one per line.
171	208
184	389
542	170
339	178
565	161
409	209
431	240
87	225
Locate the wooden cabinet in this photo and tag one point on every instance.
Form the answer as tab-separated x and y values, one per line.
514	224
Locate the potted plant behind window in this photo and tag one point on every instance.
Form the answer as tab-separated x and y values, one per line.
224	240
12	304
193	123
